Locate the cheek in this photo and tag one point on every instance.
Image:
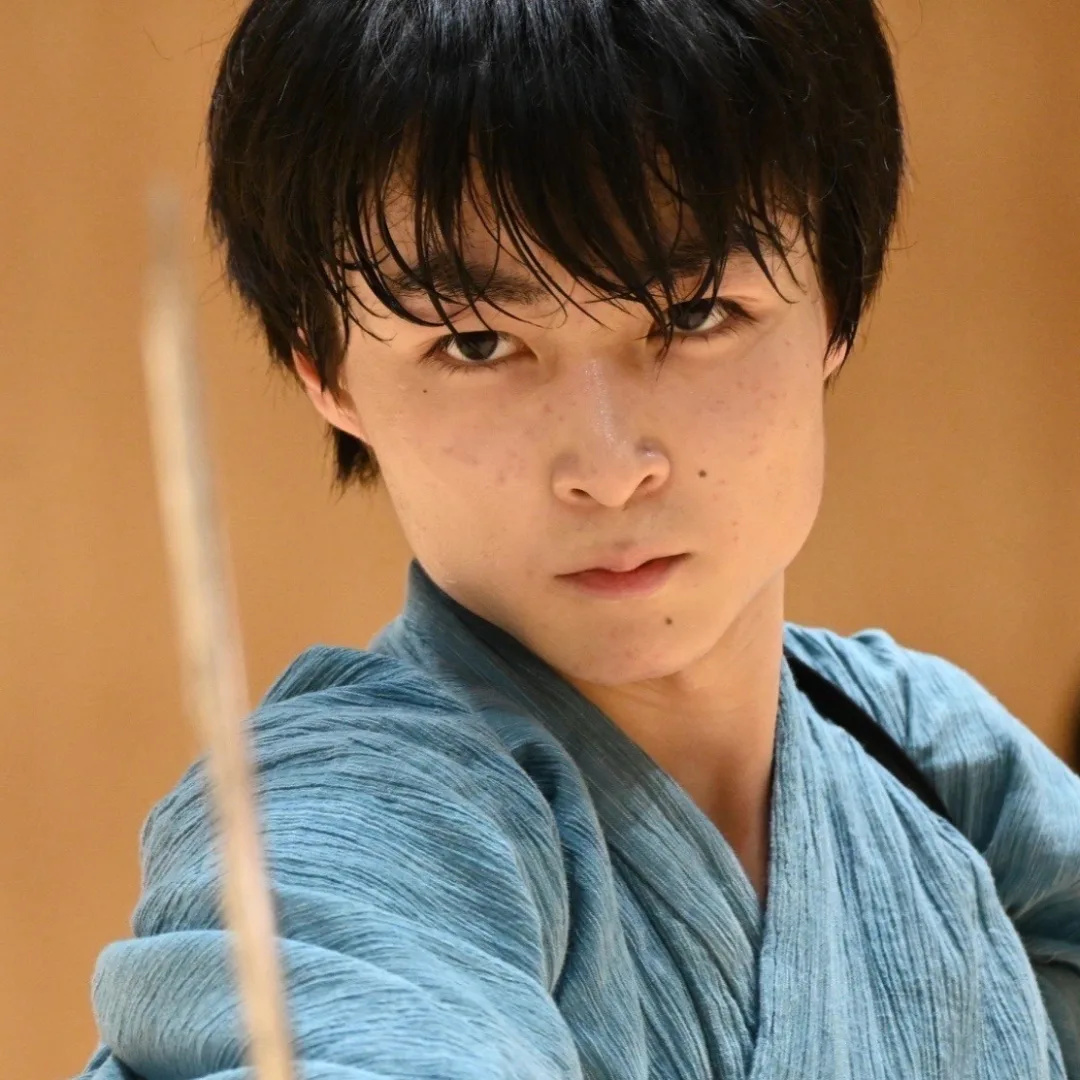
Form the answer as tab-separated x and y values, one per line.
445	465
475	454
790	440
758	436
760	406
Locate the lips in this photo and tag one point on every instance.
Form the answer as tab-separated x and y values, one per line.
622	564
639	582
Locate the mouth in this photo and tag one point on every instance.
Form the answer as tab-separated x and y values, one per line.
639	578
624	563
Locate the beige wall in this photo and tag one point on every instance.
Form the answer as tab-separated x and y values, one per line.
951	518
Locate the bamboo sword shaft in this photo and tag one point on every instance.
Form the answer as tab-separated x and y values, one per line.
214	676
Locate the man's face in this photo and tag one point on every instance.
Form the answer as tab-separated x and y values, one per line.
557	443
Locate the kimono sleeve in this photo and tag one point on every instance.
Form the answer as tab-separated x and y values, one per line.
420	897
1015	800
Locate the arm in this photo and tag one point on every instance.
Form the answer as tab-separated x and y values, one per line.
420	897
1016	802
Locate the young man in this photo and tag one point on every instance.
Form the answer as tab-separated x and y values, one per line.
572	277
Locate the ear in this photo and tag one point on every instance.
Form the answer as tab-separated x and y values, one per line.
834	360
835	357
341	413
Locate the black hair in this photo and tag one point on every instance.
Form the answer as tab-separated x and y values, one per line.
575	114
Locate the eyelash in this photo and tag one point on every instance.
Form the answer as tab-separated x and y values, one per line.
436	356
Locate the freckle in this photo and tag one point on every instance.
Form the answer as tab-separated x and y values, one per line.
702	472
667	619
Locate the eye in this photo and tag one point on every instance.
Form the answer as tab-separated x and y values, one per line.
485	350
699	317
480	347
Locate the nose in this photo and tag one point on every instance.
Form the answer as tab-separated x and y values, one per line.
608	461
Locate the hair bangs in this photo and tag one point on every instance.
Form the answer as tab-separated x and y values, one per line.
589	170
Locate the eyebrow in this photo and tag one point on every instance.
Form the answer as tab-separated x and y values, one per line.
511	287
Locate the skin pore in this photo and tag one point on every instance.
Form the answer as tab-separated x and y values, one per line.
558	443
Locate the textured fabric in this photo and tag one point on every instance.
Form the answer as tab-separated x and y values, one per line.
478	875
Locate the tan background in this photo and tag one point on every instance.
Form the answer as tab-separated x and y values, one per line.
952	515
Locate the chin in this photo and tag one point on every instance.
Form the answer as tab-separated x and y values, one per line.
619	664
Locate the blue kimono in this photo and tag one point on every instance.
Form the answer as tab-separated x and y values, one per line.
478	875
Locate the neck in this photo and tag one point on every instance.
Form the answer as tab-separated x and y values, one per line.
712	726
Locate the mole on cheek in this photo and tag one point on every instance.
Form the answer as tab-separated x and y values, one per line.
667	620
702	472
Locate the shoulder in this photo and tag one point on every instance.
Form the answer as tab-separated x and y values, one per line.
918	697
980	758
417	879
350	744
334	707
